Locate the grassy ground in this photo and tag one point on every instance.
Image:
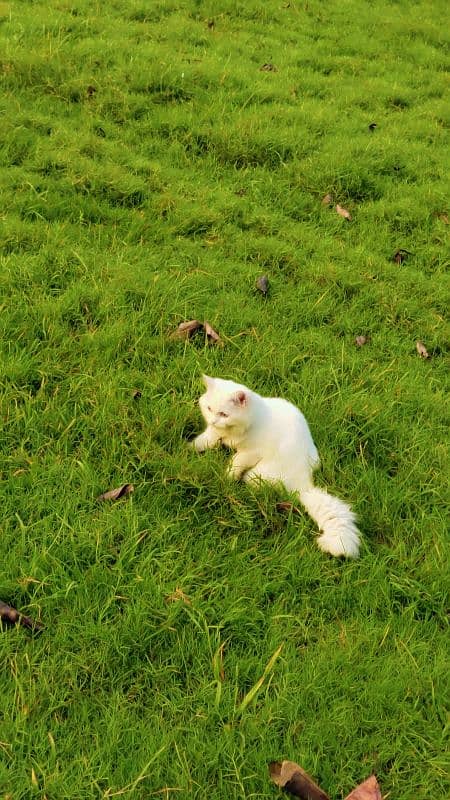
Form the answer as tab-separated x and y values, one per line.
150	172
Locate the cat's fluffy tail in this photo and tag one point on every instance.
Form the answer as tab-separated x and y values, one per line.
335	519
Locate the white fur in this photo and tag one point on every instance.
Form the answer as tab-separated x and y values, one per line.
273	443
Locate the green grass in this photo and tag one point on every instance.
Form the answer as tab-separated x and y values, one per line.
150	172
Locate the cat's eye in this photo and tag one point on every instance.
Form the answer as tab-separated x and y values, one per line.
209	408
222	414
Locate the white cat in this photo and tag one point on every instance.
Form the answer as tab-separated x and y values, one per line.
273	443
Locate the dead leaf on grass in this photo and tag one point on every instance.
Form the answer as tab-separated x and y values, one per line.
186	329
343	212
293	779
262	284
442	216
361	340
284	505
11	616
211	334
369	790
327	200
401	255
137	394
422	350
117	494
268	68
178	594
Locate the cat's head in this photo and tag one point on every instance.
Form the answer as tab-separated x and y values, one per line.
225	404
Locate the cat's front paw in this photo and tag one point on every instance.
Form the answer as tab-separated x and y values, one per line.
233	474
200	443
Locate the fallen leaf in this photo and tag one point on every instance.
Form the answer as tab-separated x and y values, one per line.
401	255
91	90
343	212
293	779
372	126
361	340
186	329
262	284
422	350
369	790
443	217
327	200
268	68
117	494
11	616
178	594
211	333
286	506
137	394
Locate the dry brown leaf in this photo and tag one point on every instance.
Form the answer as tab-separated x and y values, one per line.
327	200
422	350
442	216
268	68
117	494
11	616
211	334
369	790
343	212
401	255
262	284
361	340
293	779
284	505
178	594
186	329
137	394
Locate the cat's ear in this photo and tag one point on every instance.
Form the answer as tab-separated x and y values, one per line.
209	382
240	398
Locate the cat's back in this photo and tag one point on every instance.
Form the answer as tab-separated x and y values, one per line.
285	416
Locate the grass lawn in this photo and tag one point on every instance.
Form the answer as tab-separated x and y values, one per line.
150	172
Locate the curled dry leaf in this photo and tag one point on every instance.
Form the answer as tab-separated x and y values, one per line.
443	217
343	212
422	350
211	334
369	790
401	255
361	340
293	779
186	329
117	494
268	68
286	506
11	616
137	394
327	200
262	284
